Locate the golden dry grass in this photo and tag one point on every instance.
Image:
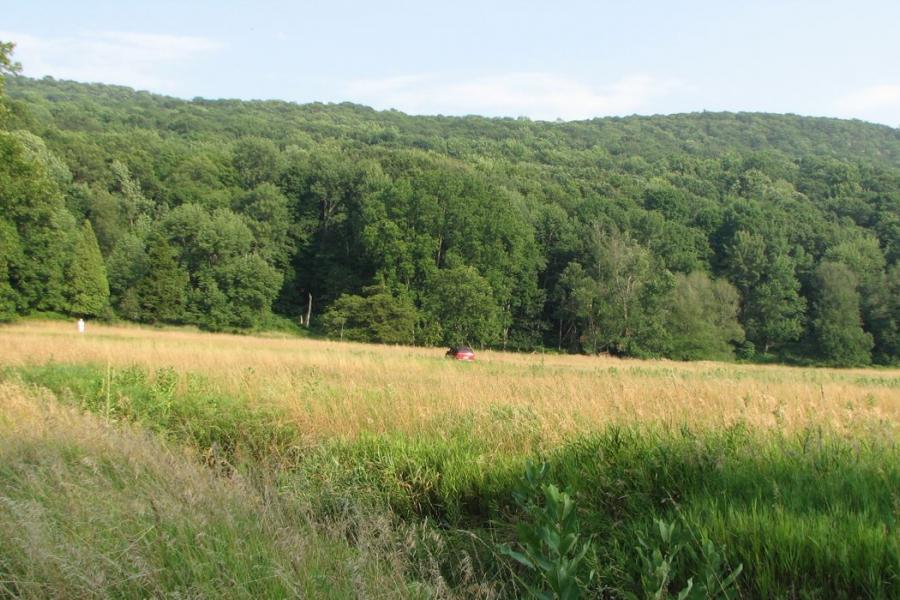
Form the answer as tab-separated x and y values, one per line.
343	389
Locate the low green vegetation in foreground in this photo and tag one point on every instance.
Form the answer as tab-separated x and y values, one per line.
130	483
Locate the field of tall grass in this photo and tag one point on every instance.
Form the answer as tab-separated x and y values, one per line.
140	462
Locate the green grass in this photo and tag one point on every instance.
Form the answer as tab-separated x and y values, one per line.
813	514
186	409
89	510
809	515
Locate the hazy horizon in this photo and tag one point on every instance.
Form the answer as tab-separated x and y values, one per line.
465	115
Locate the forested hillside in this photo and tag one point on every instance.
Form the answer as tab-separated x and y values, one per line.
688	236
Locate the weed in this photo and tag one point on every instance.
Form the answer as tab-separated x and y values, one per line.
666	558
550	539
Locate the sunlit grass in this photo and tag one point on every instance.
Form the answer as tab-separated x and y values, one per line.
311	465
332	389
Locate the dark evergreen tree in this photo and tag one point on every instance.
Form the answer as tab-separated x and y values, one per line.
161	292
88	288
209	304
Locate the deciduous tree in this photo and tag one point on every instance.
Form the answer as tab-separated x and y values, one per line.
837	323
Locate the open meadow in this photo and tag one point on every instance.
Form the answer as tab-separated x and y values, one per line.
675	251
138	461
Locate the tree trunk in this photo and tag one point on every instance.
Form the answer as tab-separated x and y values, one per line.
308	309
440	251
559	343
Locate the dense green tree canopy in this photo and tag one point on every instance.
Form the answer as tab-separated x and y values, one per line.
837	324
676	235
160	293
377	316
702	317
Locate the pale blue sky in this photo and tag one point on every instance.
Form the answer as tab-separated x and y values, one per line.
545	60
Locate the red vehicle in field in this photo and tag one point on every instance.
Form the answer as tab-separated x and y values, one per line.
460	353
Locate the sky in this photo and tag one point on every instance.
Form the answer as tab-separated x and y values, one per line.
543	60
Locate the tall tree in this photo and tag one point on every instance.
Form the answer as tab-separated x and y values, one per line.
775	306
162	291
126	266
837	323
461	309
702	319
268	215
862	254
377	316
629	300
249	285
31	201
771	305
134	204
88	287
7	67
10	256
574	296
888	339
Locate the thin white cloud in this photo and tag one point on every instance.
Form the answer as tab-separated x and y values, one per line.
877	103
536	95
140	60
871	98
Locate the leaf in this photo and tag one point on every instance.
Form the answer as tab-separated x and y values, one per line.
687	590
517	556
729	581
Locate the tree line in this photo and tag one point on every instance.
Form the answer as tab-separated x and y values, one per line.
709	235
